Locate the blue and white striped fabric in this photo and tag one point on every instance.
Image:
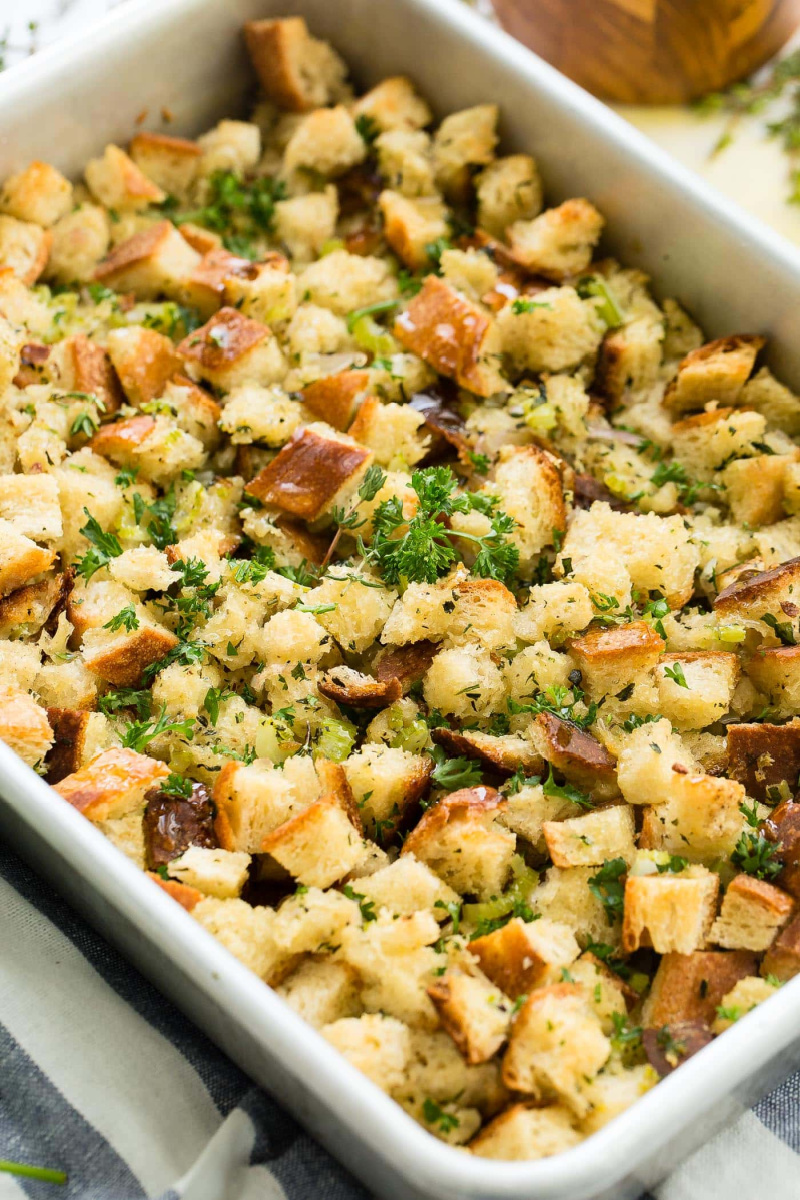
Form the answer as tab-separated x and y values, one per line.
102	1077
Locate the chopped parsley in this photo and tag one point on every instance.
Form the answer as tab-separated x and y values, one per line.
608	886
454	773
757	856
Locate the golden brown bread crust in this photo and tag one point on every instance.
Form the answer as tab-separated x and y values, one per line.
449	332
783	825
105	787
24	726
269	44
223	340
407	663
761	756
93	373
124	663
577	755
118	440
205	286
730	358
689	987
145	374
69	728
765	665
636	643
186	896
135	249
467	802
504	754
748	594
307	472
24	567
783	957
335	783
361	692
36	605
507	957
333	398
147	140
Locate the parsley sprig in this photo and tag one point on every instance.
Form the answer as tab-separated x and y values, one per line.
104	547
140	734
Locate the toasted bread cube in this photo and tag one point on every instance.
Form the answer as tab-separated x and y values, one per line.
28	608
463	141
117	182
689	987
79	736
311	472
752	913
334	398
558	333
20	663
246	932
12	341
556	1047
529	484
161	451
144	361
257	414
645	764
304	224
80	240
156	261
24	726
387	783
710	677
230	146
504	752
312	920
396	961
394	104
39	194
463	681
20	559
121	659
700	820
509	190
611	1092
523	1134
206	286
610	658
591	839
407	886
554	610
265	291
754	488
219	873
560	242
743	997
474	1012
343	282
670	912
707	440
524	955
608	994
630	357
783	957
391	432
761	756
170	162
232	349
376	1044
454	336
318	846
717	371
322	991
24	247
579	756
298	72
112	785
773	400
405	162
411	225
83	366
325	141
754	594
195	412
254	800
30	504
776	673
460	839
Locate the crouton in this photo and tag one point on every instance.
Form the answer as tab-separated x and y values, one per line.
576	754
232	349
21	560
79	241
246	932
121	659
630	358
39	194
474	1012
298	72
591	839
463	141
743	997
27	609
701	819
299	843
396	961
524	955
394	104
117	182
523	1133
230	146
112	785
321	991
391	432
773	400
155	262
509	190
560	242
530	488
695	689
86	367
374	1043
388	783
171	163
30	504
717	371
554	610
611	657
460	840
556	1046
311	472
411	225
464	682
159	449
205	288
334	398
407	886
753	594
406	163
556	332
265	291
754	488
675	909
782	959
78	736
24	247
253	800
752	913
347	686
454	336
187	897
213	872
304	224
645	764
24	726
326	141
776	673
144	361
505	752
689	987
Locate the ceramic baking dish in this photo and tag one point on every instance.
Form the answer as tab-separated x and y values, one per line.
185	57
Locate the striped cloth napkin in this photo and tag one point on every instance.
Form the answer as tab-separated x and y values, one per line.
103	1078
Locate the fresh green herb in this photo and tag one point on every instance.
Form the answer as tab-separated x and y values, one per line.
673	1049
634	721
212	700
524	304
435	1115
750	813
237	208
728	1014
105	546
676	674
782	629
369	310
480	462
757	856
367	128
625	1034
454	773
436	249
367	906
608	309
140	734
674	863
185	653
517	781
126	476
86	423
126	619
177	786
125	698
453	910
408	284
566	791
608	887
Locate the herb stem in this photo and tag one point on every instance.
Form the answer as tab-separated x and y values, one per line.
46	1174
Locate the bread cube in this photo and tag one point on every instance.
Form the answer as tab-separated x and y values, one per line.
689	987
312	472
407	886
752	595
79	736
318	846
246	932
230	146
783	957
39	193
205	287
24	247
375	1044
219	873
265	291
195	412
117	182
611	657
509	190
710	676
334	398
396	961
630	358
24	726
232	349
776	673
155	262
773	400
252	800
112	785
700	820
524	955
20	558
505	752
159	449
554	610
187	897
645	765
752	914
672	912
170	162
326	141
411	225
30	504
79	241
28	608
304	224
556	1047
743	997
344	282
322	991
394	104
705	442
84	366
122	658
589	840
387	784
474	1012
405	162
560	242
717	371
529	484
298	72
754	488
461	840
463	141
557	333
464	682
144	360
579	756
761	756
523	1133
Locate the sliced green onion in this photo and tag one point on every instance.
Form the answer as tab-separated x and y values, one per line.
46	1174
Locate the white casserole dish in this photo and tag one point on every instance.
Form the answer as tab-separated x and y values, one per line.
734	275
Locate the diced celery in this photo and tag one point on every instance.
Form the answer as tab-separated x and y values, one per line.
336	740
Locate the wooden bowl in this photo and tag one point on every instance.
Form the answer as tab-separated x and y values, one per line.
652	51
